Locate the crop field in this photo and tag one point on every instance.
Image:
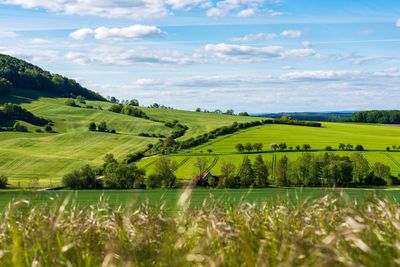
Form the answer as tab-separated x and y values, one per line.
170	197
374	138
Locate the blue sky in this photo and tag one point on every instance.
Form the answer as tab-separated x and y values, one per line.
249	55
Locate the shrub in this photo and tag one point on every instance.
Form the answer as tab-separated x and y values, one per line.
92	127
70	102
359	148
328	148
20	128
102	127
3	181
48	128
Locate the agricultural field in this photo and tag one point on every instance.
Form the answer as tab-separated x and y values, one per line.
330	134
43	158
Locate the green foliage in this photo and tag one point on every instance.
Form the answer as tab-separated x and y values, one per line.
102	127
85	178
92	127
24	75
20	128
123	176
377	116
5	87
247	176
261	172
3	181
48	128
383	172
16	112
164	170
71	102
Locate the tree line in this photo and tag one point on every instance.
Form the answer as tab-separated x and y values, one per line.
377	116
327	170
258	147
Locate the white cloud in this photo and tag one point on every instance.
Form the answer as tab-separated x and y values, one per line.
248	12
398	23
320	75
108	55
35	55
255	36
39	41
255	54
273	13
216	12
291	33
7	34
131	32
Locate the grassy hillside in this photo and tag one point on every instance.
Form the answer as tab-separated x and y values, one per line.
49	156
374	138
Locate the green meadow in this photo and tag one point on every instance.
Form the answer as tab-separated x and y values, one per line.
374	138
26	157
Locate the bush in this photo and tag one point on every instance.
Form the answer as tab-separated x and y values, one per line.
328	148
359	148
48	128
3	181
20	128
102	127
71	103
92	127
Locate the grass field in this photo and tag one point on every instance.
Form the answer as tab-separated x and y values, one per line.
27	156
170	197
374	138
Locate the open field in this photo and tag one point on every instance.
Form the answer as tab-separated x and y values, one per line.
374	138
198	196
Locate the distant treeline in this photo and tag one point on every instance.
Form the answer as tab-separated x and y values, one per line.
21	74
378	116
313	116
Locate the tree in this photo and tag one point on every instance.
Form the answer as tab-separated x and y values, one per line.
201	165
383	172
243	114
261	172
154	181
274	146
229	178
102	127
92	126
248	147
198	110
258	146
359	148
123	176
230	112
306	147
329	148
282	146
85	178
3	181
281	171
81	99
239	148
342	146
247	177
298	147
134	102
164	168
360	168
71	103
209	150
5	87
349	147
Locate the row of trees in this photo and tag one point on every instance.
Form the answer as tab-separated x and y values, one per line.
128	110
308	170
249	147
377	116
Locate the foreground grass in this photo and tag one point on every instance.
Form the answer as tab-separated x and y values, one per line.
329	231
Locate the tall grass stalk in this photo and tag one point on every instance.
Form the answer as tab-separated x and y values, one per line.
326	232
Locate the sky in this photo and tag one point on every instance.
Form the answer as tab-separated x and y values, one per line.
247	55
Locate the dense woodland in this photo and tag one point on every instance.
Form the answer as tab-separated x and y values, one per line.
378	116
21	74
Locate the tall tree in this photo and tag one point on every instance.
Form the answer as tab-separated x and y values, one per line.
261	172
247	177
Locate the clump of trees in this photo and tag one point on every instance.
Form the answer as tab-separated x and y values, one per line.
351	147
3	181
101	127
85	178
128	110
178	129
15	112
5	87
